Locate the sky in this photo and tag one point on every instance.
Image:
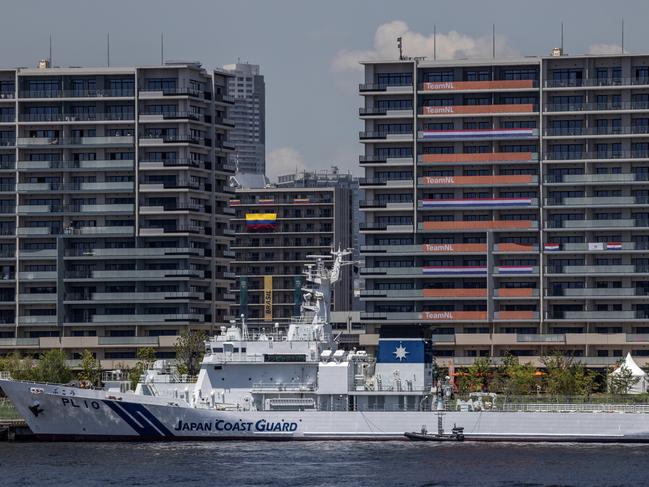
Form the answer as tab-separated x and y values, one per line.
308	50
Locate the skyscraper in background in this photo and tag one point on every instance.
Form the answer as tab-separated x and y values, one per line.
249	117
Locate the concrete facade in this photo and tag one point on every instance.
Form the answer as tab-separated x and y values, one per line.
507	205
314	213
248	135
114	222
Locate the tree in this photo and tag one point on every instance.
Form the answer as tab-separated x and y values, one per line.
566	377
190	349
146	359
52	367
476	377
18	368
90	369
622	381
514	378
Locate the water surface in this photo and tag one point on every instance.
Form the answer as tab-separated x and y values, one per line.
315	464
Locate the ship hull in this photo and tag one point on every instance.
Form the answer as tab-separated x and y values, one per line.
64	413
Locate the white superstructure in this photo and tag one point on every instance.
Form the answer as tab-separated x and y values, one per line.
298	385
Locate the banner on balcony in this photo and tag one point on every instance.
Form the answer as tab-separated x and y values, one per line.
266	201
614	246
515	269
261	222
551	247
268	298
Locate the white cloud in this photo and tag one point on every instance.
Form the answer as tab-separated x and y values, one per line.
449	45
604	49
284	160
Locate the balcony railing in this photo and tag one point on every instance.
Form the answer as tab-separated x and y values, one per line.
603	154
76	93
598	201
75	117
596	269
579	107
384	86
597	178
578	131
587	224
576	83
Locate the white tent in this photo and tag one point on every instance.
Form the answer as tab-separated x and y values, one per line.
641	386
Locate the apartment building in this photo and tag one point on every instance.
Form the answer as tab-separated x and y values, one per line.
248	114
278	227
507	206
113	207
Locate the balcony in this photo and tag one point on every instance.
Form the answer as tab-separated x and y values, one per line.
597	155
596	132
38	275
385	112
475	271
137	297
478	226
476	134
436	316
138	275
126	93
597	178
384	161
486	158
516	315
36	231
596	316
36	142
425	249
75	165
129	253
477	203
385	136
37	298
37	320
515	270
516	292
385	183
149	231
101	231
385	88
596	107
596	201
597	82
36	209
515	248
477	110
592	247
146	318
75	117
386	227
595	269
594	224
477	181
494	85
165	92
596	293
424	294
38	254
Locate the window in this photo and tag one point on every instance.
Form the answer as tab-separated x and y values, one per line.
121	87
521	73
166	85
393	79
477	75
439	76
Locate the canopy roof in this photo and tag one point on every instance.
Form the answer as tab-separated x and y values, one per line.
630	364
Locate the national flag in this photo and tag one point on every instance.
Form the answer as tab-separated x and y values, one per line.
266	201
550	247
235	202
259	222
614	246
475	134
